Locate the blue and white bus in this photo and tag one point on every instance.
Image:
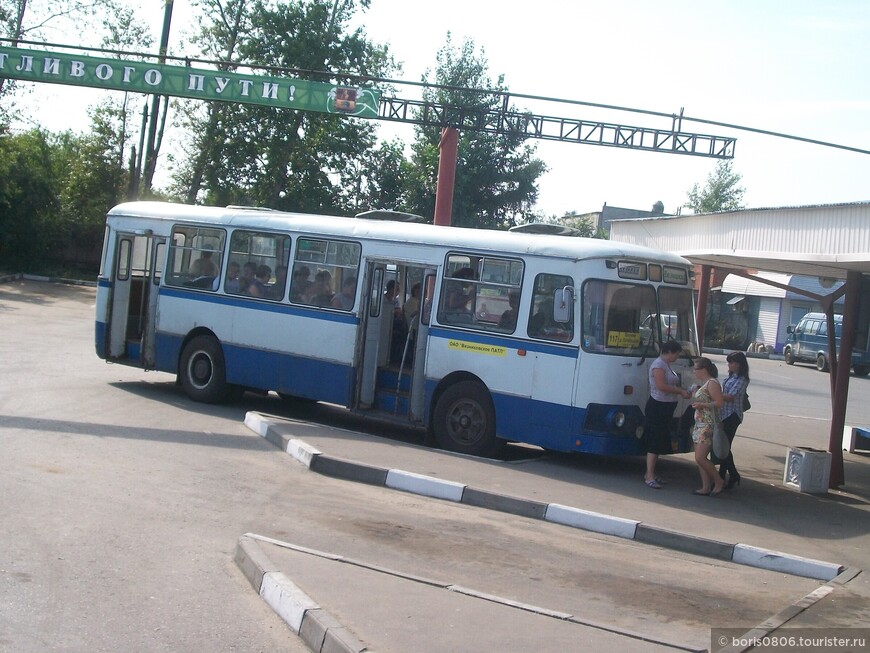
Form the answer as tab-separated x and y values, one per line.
481	337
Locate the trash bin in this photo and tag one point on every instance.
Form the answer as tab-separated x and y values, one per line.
807	470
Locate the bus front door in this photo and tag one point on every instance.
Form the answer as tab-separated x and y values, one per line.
134	298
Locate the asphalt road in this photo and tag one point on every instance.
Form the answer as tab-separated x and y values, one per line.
122	502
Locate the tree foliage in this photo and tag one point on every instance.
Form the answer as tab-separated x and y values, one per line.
28	197
281	158
55	190
721	192
496	175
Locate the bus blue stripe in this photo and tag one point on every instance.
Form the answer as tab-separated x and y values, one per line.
570	351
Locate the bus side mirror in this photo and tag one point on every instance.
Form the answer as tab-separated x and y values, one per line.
563	302
789	329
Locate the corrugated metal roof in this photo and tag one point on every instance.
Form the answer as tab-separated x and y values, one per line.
811	284
743	286
820	241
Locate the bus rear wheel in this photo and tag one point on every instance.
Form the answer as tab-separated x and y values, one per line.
203	371
464	420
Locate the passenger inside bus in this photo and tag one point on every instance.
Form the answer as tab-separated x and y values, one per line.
232	282
399	332
508	319
322	292
543	325
276	291
203	266
258	287
458	304
249	271
300	286
412	307
345	299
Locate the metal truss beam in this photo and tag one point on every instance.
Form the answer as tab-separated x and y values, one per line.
528	125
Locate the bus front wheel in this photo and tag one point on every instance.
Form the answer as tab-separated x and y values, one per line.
203	371
464	420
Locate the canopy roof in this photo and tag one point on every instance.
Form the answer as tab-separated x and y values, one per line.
823	241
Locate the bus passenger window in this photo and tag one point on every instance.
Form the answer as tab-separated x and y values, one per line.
334	265
481	292
258	264
195	255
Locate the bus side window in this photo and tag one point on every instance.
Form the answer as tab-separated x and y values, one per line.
258	264
322	269
195	255
481	292
542	319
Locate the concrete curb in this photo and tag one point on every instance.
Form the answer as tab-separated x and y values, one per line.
320	631
742	554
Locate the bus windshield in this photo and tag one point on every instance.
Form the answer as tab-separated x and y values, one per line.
626	319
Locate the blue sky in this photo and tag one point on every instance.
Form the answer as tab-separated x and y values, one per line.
798	67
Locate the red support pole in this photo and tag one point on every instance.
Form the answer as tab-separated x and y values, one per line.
840	384
449	149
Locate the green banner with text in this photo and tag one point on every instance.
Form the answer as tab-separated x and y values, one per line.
183	81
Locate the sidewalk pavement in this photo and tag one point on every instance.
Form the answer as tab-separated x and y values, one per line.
761	523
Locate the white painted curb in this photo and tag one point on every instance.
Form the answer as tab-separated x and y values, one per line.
286	599
302	451
425	485
591	521
256	423
789	564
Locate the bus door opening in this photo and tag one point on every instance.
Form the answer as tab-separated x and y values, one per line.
392	338
131	328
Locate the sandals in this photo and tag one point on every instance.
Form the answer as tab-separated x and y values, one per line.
701	493
654	484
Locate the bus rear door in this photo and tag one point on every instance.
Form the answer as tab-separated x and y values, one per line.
133	302
389	379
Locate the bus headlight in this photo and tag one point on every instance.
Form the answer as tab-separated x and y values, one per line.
616	419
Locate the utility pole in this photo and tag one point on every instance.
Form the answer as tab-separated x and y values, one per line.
151	151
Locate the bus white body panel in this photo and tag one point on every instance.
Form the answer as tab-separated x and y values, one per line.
298	304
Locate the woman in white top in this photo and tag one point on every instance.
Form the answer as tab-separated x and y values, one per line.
664	392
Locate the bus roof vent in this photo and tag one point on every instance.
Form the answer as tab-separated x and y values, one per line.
396	216
242	207
545	228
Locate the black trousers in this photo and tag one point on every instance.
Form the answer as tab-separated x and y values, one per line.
729	425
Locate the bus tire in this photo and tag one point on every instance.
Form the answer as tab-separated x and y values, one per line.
789	356
464	420
821	363
203	371
861	370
